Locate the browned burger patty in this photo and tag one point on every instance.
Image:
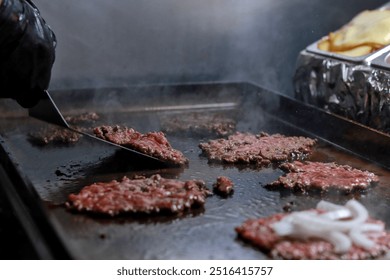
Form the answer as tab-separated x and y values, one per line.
223	186
83	118
59	135
200	124
141	195
260	233
305	176
54	135
152	143
261	149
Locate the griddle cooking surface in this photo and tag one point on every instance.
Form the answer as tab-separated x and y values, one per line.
55	171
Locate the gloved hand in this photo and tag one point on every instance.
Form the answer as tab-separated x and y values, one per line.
27	52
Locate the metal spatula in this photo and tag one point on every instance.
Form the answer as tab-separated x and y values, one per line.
46	110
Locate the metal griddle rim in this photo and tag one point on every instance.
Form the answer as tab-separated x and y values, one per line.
29	209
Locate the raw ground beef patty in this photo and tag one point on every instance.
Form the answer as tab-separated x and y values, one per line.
152	143
319	176
139	195
260	233
261	149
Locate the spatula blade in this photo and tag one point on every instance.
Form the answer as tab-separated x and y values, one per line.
46	110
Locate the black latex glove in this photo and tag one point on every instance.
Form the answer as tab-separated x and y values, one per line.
27	52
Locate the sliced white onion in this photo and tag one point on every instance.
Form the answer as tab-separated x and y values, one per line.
358	211
283	228
360	239
328	206
317	222
342	213
342	226
372	227
340	241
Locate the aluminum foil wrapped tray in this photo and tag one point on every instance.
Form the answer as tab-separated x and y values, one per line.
355	87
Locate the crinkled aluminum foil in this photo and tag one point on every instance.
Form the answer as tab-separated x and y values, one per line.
356	90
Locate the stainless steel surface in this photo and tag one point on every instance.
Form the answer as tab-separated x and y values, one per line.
313	48
363	60
382	62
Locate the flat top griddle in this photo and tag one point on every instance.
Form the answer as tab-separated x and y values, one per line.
43	176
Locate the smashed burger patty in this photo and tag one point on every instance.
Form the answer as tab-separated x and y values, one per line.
140	195
152	143
61	135
305	176
200	124
261	149
318	234
54	135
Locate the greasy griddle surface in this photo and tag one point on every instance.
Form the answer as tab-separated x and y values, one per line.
206	233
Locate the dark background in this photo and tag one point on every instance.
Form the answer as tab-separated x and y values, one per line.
157	41
123	42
